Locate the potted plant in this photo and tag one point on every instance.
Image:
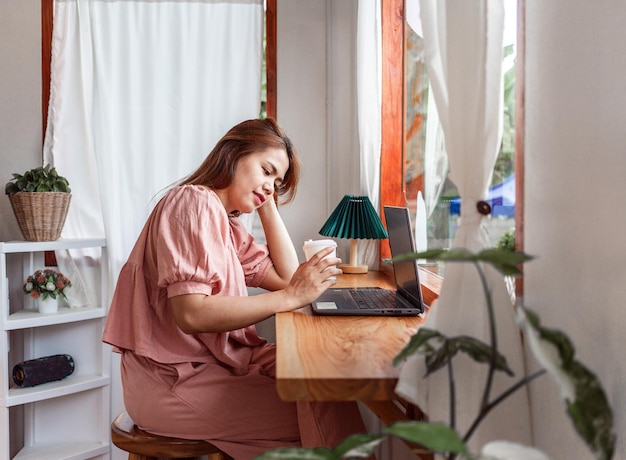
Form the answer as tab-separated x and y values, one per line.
582	395
40	200
46	288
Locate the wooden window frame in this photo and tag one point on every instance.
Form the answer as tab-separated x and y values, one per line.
270	57
47	20
47	14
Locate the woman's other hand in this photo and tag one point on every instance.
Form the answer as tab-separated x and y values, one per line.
312	278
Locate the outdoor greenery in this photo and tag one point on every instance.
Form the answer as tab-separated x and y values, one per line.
507	241
505	163
584	399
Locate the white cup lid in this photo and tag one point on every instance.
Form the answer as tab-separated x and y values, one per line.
320	243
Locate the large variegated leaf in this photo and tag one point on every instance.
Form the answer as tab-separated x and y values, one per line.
581	392
505	450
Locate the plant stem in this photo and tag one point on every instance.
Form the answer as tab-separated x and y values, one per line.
452	389
492	332
487	408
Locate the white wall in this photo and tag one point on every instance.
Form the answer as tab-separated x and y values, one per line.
20	99
575	190
317	108
20	108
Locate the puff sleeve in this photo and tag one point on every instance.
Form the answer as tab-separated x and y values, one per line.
254	258
195	251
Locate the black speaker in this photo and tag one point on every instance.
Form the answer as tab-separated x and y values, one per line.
42	370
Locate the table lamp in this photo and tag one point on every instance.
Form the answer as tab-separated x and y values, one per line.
354	218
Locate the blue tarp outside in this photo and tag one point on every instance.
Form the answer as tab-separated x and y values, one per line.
501	197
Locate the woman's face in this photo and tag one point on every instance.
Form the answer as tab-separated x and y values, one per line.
255	179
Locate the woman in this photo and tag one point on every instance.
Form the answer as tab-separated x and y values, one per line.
192	364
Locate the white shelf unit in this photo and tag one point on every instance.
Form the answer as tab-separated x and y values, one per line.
68	419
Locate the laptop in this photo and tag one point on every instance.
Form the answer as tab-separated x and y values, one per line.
406	300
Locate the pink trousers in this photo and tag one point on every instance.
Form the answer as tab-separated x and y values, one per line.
241	414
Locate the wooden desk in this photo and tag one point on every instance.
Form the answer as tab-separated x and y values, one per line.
349	358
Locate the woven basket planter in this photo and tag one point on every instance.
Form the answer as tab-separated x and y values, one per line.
40	215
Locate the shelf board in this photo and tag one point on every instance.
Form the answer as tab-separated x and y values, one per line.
35	246
69	385
66	451
26	318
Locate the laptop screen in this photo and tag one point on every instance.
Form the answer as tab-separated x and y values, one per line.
401	242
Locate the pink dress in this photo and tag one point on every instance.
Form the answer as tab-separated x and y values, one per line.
214	386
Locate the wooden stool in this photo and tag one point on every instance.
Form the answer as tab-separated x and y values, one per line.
142	445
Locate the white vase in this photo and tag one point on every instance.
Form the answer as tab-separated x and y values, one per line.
49	305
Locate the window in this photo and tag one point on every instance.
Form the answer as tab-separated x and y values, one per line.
269	96
402	165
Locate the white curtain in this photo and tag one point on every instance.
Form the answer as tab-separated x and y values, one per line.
368	116
463	41
141	90
435	158
140	93
369	88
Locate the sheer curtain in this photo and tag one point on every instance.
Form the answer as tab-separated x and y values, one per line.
435	158
140	93
369	90
463	41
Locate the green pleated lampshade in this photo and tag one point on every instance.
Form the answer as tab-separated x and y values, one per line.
354	218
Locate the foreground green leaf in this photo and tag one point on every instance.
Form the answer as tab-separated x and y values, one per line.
420	343
506	262
355	446
481	352
303	453
358	446
436	437
439	350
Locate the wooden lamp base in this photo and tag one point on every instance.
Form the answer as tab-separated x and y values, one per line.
353	268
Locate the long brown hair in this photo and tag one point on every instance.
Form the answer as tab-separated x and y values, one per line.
250	136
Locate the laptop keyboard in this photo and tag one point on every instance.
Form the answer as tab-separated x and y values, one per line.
374	298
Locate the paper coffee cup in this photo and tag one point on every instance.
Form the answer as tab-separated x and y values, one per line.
313	246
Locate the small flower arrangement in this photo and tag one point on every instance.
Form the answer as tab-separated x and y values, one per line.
46	283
